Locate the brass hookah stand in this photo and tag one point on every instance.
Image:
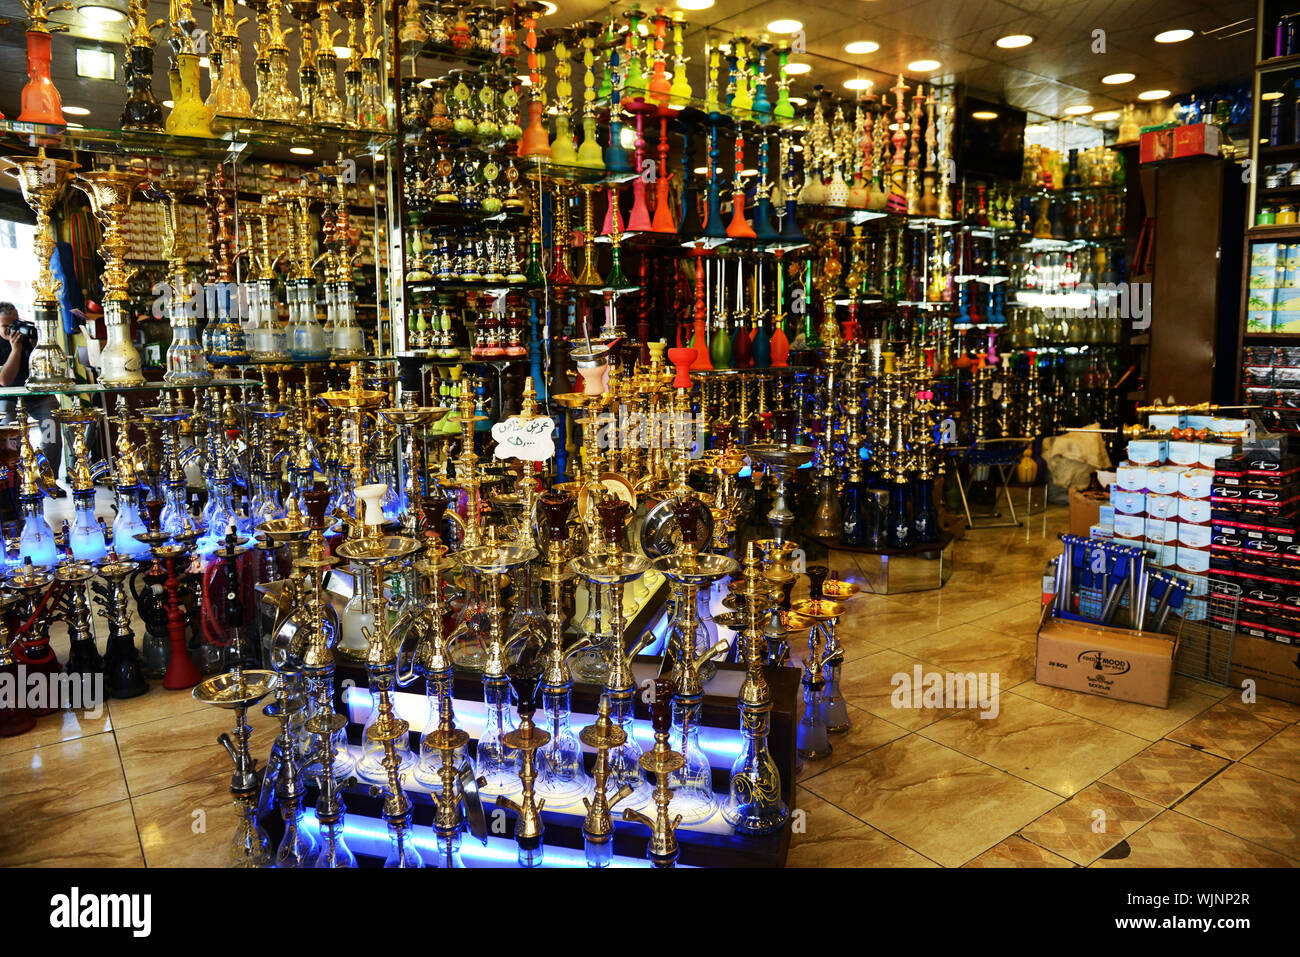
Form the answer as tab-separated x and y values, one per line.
527	739
237	691
811	741
374	549
614	569
432	658
597	826
754	802
491	563
562	778
692	571
662	762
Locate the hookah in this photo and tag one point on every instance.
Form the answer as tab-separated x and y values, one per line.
458	789
110	192
713	227
297	846
330	809
266	338
185	360
224	337
432	658
36	544
85	536
306	338
589	154
306	12
782	459
597	826
142	111
495	761
533	142
693	572
754	803
526	739
563	150
327	107
811	741
32	636
371	112
614	569
42	179
274	101
369	546
897	202
189	115
662	762
84	660
14	720
835	710
561	776
237	691
41	102
181	672
122	666
228	97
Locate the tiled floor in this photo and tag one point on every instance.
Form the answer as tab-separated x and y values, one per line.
1056	779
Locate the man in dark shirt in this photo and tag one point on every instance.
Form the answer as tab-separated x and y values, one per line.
15	351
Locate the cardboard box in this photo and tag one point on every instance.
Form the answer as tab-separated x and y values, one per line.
1196	139
1131	478
1108	662
1274	667
1085	510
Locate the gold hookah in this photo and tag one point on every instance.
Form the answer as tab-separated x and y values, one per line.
229	96
306	12
328	105
372	114
185	359
110	192
662	762
189	115
42	180
275	101
597	826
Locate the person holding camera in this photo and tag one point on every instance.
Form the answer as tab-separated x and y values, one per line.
17	338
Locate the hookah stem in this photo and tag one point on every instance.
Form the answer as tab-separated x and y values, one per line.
55	590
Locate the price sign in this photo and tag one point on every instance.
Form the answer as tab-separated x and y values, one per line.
529	439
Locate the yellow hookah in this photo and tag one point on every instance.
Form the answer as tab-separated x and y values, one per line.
189	115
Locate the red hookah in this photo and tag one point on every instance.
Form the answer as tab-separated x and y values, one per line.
663	221
701	334
41	101
534	141
740	227
638	221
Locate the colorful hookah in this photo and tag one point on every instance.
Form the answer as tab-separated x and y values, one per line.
589	153
898	168
41	102
142	111
533	142
563	150
713	227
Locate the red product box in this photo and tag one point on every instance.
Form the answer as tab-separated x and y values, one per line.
1198	139
1156	145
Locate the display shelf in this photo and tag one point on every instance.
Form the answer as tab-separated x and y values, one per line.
82	388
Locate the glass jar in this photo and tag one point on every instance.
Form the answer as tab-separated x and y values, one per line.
1266	216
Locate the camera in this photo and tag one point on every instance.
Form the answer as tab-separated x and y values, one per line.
27	329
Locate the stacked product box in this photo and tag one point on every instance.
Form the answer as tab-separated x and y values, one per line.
1161	500
1271	379
1255	540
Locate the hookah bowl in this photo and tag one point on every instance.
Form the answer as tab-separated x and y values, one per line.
238	691
784	461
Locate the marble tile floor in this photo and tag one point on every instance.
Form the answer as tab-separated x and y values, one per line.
1056	779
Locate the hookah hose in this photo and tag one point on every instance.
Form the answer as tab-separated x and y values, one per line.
54	592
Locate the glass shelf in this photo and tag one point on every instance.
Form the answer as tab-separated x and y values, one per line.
242	139
83	388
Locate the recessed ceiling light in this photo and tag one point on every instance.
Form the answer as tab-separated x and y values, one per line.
1036	129
301	150
1275	95
168	104
798	101
984	115
97	13
1014	41
695	4
923	66
1173	36
1079	110
797	69
749	172
96	64
785	26
1108	117
82	111
857	84
343	53
861	46
1115	79
1153	94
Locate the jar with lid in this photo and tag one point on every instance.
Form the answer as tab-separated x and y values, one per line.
1266	216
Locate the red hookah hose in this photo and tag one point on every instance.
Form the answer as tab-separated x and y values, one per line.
55	590
213	618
